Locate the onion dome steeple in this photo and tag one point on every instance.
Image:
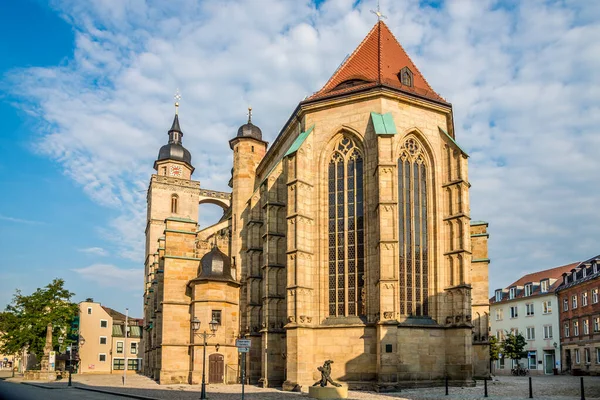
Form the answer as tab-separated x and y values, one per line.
174	149
249	129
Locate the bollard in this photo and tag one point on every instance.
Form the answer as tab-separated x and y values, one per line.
530	389
582	391
485	394
447	385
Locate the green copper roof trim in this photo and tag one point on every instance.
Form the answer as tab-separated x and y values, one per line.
478	260
178	219
298	142
383	123
453	141
475	223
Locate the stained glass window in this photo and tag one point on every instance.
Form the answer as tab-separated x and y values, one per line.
346	230
412	232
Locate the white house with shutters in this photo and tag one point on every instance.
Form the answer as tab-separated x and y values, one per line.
529	306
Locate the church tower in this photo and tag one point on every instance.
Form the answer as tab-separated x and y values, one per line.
171	226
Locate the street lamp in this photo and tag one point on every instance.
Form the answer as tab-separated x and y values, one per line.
213	325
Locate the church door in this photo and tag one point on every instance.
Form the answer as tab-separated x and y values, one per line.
216	368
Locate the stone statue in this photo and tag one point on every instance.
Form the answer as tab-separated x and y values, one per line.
326	375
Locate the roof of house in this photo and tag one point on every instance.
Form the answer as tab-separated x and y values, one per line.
117	316
377	60
535	278
577	277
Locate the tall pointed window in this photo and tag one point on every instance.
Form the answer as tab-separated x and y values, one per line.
174	199
346	230
412	235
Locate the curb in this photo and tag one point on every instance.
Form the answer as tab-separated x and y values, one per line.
43	385
131	396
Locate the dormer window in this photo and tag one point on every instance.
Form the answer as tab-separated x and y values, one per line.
512	293
406	77
584	274
544	285
499	295
528	289
595	268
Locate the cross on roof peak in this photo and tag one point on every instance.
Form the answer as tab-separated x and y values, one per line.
378	12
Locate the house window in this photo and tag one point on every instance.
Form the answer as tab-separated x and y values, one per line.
544	286
594	296
565	304
118	364
529	308
174	200
514	331
566	327
531	333
584	271
574	301
532	356
499	314
89	310
133	364
501	362
119	347
584	299
577	357
216	316
575	328
134	347
547	331
346	230
512	293
514	312
102	339
597	355
500	335
597	324
413	238
547	307
587	355
102	357
499	295
595	268
103	323
528	289
586	326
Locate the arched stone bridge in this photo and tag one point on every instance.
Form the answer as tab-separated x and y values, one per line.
222	199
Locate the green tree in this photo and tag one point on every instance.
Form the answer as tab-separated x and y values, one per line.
25	320
494	348
513	346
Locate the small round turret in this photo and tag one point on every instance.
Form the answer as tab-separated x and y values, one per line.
249	129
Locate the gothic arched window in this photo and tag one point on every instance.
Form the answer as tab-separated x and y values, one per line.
346	230
174	199
412	235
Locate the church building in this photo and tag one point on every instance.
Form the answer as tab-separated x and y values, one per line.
349	238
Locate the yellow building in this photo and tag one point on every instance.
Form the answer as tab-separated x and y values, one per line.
102	342
349	238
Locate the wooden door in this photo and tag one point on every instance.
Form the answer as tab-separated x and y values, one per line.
216	368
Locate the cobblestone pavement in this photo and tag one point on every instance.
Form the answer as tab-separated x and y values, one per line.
504	388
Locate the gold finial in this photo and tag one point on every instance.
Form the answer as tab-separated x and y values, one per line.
177	97
377	12
249	115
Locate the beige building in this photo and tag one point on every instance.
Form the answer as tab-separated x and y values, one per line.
349	238
102	343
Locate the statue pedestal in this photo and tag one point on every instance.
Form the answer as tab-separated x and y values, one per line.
328	392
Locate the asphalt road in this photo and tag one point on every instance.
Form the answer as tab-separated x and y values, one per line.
16	391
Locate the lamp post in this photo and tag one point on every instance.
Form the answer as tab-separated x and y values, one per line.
213	325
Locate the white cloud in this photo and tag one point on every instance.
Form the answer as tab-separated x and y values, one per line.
108	275
522	78
97	251
19	220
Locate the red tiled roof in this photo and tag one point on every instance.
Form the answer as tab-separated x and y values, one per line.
536	277
377	60
552	273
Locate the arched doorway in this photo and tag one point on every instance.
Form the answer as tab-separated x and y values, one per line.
216	368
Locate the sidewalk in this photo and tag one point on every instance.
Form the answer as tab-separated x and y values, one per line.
505	388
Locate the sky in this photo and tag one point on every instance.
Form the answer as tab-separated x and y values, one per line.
86	99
